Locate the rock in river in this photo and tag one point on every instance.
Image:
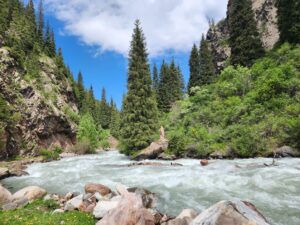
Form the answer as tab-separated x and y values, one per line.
153	151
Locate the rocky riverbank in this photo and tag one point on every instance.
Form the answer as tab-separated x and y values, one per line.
133	206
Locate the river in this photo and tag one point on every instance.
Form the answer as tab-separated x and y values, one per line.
274	190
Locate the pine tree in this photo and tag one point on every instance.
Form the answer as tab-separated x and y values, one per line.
182	82
175	85
244	38
289	20
81	92
155	82
114	125
40	22
164	94
4	15
194	63
139	118
104	111
207	68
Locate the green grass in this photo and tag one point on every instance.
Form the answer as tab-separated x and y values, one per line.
40	213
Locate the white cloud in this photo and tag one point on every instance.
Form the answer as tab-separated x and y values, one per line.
167	24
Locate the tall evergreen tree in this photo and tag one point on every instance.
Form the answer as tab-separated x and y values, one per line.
289	20
80	92
175	85
164	94
194	63
104	116
207	68
139	118
182	82
40	22
244	39
155	79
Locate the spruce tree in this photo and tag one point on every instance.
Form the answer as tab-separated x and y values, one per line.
155	78
104	111
207	68
81	91
175	85
139	118
164	94
40	22
182	82
244	39
194	63
289	20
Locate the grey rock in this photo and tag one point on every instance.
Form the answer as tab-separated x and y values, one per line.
74	203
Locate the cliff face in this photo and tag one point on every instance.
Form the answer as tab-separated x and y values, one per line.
42	109
266	17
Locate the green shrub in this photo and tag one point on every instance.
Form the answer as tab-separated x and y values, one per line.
87	131
82	147
51	154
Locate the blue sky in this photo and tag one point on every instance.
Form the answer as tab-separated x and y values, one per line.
95	35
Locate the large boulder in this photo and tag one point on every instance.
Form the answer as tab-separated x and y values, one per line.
103	207
153	151
4	172
234	212
31	193
93	188
184	218
74	203
148	198
130	211
5	196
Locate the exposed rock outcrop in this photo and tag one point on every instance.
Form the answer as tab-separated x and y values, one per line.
265	13
39	107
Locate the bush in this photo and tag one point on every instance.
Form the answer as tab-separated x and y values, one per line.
51	154
87	131
82	147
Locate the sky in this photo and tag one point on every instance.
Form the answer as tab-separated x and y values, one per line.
95	35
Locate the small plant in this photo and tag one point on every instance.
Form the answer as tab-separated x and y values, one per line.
51	154
82	147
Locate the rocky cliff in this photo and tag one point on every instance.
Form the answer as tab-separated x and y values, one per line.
266	16
42	110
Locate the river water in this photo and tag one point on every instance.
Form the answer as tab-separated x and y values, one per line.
274	190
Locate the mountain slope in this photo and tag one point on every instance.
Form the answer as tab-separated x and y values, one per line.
41	108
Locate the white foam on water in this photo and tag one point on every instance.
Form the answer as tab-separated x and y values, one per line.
274	190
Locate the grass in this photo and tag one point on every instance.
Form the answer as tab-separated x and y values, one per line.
40	213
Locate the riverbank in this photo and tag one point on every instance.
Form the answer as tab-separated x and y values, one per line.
274	190
126	206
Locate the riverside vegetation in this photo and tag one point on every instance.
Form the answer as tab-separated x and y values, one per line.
242	98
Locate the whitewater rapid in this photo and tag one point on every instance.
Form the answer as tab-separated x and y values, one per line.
274	190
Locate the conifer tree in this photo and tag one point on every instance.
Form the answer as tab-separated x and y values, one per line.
194	63
244	39
182	82
104	111
114	125
175	85
155	82
207	68
139	118
164	94
81	91
289	20
40	22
